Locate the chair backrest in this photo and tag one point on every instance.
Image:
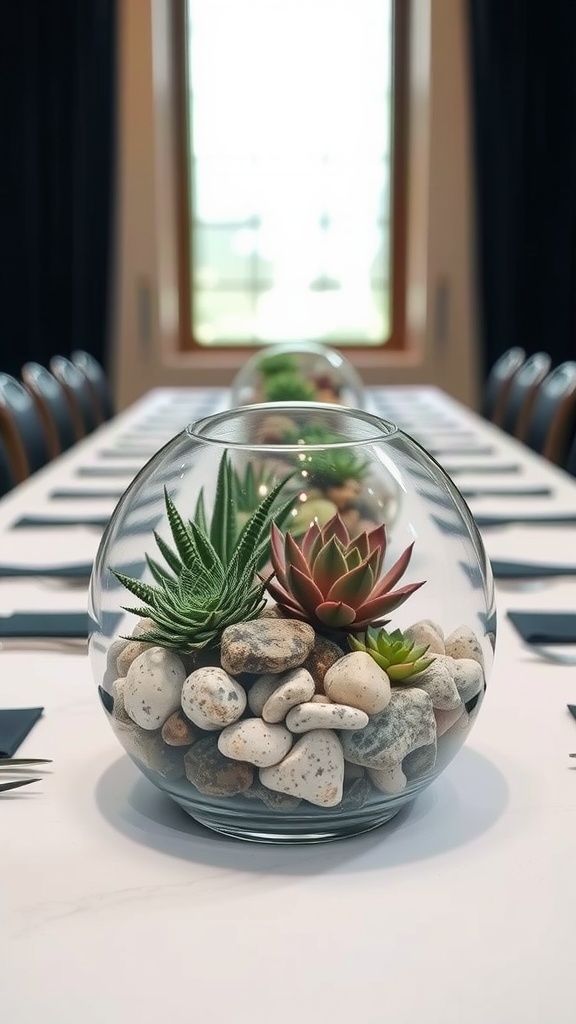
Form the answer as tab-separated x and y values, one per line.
21	429
97	382
499	382
6	476
80	401
553	416
52	406
522	394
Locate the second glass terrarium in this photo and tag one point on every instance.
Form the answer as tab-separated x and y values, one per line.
307	639
297	372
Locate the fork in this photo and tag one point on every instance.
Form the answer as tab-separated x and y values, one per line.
19	762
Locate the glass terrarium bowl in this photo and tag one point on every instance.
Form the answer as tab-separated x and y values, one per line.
298	372
289	669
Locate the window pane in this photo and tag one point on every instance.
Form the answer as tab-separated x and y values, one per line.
289	126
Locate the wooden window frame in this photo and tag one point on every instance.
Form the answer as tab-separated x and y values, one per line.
396	342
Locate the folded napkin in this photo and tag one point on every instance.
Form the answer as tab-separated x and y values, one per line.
545	627
128	453
40	521
15	724
505	492
108	471
503	570
53	625
461	450
510	467
560	519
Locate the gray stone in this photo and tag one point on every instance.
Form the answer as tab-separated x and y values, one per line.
310	715
212	699
111	672
357	680
446	719
132	650
148	749
469	678
295	687
355	795
407	723
463	643
119	711
438	682
265	645
313	770
419	762
212	773
275	801
260	691
255	741
153	687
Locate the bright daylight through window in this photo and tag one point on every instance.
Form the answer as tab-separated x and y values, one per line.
289	157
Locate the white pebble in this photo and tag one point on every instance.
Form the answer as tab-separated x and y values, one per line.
296	687
357	680
212	699
153	687
313	770
255	741
310	715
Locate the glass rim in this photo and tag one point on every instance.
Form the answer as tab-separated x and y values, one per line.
384	430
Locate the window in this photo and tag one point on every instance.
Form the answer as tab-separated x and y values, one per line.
292	216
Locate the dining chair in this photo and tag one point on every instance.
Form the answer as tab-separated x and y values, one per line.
21	429
52	406
97	382
6	476
522	394
82	407
499	382
553	417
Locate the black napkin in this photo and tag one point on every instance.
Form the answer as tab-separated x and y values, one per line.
128	453
503	570
510	467
461	450
545	627
530	520
505	492
15	724
108	471
53	625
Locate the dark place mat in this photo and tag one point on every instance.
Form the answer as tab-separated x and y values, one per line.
545	627
57	625
503	570
15	724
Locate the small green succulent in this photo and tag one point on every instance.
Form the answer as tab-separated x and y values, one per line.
288	387
332	467
400	658
282	362
211	581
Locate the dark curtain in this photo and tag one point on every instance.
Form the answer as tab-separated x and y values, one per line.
523	60
57	139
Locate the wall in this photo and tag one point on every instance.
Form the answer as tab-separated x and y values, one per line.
441	320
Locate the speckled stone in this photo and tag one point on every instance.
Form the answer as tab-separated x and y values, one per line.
178	730
313	770
358	681
310	715
463	643
212	699
212	773
320	698
265	645
119	710
143	626
295	688
469	678
323	655
407	723
111	671
260	691
153	687
255	741
438	682
426	632
419	762
391	781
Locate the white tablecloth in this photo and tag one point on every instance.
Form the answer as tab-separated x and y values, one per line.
116	909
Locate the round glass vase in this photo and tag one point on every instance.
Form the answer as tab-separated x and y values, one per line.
298	371
282	647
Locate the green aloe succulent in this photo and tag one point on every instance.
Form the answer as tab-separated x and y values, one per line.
399	657
211	581
332	467
333	581
288	387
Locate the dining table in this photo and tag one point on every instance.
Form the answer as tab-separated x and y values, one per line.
117	908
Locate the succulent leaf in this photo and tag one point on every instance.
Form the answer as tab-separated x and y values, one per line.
332	581
396	655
